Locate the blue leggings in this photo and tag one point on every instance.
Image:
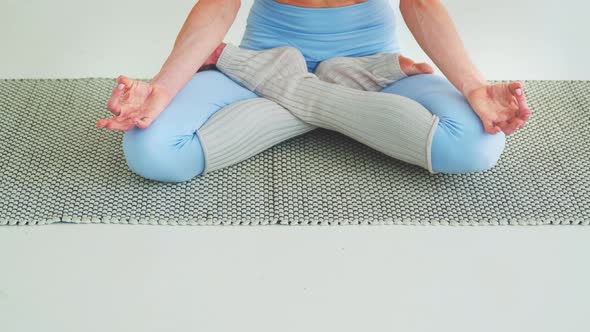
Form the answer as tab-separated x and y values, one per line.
169	150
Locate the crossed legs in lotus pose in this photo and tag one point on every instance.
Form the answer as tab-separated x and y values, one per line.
417	117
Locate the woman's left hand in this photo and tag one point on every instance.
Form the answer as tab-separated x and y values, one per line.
501	107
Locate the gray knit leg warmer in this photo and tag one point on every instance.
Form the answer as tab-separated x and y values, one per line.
368	73
395	125
244	129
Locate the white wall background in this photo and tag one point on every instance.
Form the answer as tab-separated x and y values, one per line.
507	39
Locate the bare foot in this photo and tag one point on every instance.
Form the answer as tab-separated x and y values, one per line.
501	107
212	59
409	67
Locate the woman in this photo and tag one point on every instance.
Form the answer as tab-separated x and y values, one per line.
184	124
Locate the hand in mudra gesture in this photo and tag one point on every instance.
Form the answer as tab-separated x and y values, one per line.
500	107
134	103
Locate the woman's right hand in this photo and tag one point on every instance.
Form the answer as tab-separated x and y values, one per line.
134	103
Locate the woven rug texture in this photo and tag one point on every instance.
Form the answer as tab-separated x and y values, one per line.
57	166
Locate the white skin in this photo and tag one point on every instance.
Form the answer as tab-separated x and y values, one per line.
500	107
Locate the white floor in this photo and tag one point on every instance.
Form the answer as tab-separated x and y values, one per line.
277	278
371	278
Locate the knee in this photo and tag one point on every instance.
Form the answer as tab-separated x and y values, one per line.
155	156
169	150
326	69
465	147
291	59
482	153
460	143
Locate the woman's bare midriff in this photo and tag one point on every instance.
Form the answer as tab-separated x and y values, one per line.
320	3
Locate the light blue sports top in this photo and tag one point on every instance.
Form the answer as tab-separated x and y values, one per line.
322	33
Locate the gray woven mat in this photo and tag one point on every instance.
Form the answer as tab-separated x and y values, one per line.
56	166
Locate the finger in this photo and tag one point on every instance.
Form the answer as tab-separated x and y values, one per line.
132	111
505	115
127	111
508	132
513	103
509	127
514	86
525	114
113	104
490	127
101	123
125	81
521	124
517	90
124	85
143	122
504	127
116	124
105	123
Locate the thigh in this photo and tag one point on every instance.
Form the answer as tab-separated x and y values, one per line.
460	143
204	95
169	150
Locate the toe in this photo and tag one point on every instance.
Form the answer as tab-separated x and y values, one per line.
425	68
405	64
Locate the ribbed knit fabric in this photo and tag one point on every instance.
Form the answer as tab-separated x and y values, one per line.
244	129
395	125
368	73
